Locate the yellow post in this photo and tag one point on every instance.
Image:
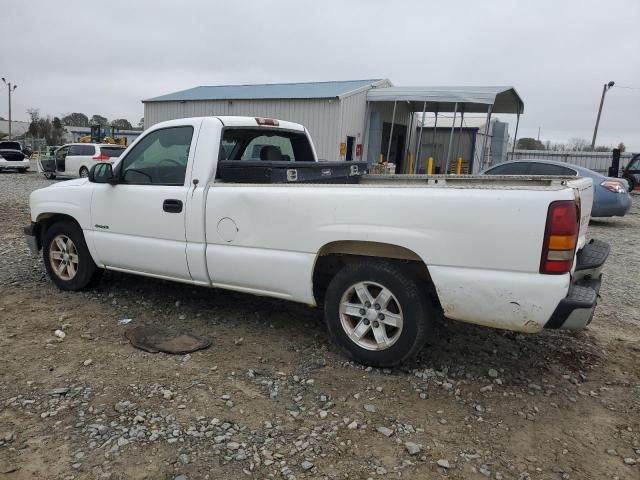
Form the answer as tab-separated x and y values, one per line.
459	166
429	165
410	163
381	158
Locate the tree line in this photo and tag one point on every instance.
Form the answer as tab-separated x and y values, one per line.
77	119
573	145
53	131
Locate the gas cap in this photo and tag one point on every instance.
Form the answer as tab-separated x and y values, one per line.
227	229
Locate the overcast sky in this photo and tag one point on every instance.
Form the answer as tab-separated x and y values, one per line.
105	57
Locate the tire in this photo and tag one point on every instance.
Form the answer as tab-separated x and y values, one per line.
383	336
49	176
84	172
23	170
62	243
631	181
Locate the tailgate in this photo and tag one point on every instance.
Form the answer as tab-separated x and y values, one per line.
583	187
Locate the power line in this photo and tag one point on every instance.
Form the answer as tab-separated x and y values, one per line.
629	88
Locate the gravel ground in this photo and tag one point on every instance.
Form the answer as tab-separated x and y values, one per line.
272	398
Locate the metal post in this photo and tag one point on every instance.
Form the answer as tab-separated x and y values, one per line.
419	142
455	111
515	136
365	135
486	136
393	120
11	87
606	87
457	154
408	149
435	126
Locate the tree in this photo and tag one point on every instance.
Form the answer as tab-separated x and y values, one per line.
76	119
121	123
141	123
99	120
622	147
529	144
56	136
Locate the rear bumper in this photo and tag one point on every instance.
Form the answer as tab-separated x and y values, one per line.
31	238
575	311
616	207
20	164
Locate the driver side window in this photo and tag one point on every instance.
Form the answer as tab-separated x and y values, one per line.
160	158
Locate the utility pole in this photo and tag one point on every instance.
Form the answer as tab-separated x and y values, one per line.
538	133
606	87
11	87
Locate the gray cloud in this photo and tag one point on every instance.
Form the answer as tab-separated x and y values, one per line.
105	58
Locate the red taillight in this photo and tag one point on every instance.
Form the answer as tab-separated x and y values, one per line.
267	121
560	238
101	158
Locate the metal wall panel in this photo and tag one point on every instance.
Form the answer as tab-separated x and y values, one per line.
320	116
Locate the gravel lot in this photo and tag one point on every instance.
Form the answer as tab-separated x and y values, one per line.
272	398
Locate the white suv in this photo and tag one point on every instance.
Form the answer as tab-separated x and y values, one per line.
76	159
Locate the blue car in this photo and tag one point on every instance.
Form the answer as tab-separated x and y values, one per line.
610	195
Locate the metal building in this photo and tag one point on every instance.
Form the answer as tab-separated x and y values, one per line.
333	112
349	120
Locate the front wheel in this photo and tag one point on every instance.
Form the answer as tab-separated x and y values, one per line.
67	258
378	312
84	172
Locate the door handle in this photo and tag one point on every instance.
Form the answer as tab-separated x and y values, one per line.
172	205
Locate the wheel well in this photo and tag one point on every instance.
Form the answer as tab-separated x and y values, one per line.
333	256
45	220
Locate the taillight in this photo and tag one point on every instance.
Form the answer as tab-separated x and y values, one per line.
267	121
560	238
101	157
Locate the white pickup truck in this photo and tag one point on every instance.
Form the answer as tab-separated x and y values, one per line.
385	255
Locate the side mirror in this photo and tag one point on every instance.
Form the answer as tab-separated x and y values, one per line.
102	173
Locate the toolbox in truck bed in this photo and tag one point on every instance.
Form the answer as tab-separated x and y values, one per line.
240	171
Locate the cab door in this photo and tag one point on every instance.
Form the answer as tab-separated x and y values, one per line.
139	223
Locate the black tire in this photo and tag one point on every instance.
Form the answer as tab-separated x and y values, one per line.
416	308
631	181
86	273
84	172
49	176
23	170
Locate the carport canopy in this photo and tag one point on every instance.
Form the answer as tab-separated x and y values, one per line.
444	99
454	99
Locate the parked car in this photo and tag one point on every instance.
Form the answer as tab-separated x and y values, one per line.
631	173
76	159
12	157
611	195
385	256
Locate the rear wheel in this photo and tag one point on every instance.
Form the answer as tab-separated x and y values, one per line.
49	176
67	258
378	312
631	181
84	172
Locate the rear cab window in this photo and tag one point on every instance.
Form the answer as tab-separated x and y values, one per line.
262	144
